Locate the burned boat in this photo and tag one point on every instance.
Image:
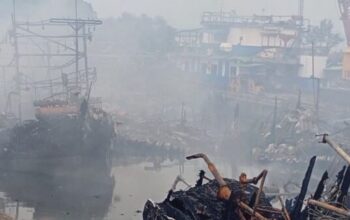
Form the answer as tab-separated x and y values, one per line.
70	128
63	137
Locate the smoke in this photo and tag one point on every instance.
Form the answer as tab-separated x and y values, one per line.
185	13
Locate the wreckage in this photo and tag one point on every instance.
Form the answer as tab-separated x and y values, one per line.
287	138
70	128
218	199
231	199
59	139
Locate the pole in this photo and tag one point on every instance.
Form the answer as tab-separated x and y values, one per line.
4	84
221	10
18	75
336	147
86	57
49	67
17	210
313	70
251	212
313	58
329	207
301	9
284	210
76	28
274	122
256	203
299	99
318	99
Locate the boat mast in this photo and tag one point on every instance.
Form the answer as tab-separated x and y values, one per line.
76	29
16	59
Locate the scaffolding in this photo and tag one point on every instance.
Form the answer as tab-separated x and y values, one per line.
59	47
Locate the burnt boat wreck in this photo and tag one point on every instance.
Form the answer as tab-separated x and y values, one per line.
223	198
70	129
63	139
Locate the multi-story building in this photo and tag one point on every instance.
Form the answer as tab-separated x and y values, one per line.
249	52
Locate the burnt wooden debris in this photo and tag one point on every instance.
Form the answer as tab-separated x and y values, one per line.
224	198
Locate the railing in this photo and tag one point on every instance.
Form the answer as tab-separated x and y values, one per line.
230	18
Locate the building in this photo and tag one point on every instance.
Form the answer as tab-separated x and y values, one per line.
248	53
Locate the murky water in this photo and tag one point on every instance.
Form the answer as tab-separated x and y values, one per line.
121	194
32	196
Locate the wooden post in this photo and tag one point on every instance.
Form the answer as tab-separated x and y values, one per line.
337	148
284	210
256	203
244	206
329	207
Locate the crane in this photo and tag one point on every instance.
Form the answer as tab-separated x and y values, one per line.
344	9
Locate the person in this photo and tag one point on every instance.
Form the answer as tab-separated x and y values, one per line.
83	108
243	185
201	177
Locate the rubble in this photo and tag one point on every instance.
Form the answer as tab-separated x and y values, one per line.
286	138
233	200
196	203
224	198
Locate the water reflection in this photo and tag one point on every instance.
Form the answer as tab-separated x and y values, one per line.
136	172
79	194
95	189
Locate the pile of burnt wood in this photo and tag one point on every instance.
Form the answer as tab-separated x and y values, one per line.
240	200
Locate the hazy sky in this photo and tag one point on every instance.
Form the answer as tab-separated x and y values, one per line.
187	12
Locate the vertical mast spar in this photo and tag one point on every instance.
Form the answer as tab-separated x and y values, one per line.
49	68
72	80
317	88
86	58
76	45
16	59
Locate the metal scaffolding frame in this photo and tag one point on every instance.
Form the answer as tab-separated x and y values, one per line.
76	31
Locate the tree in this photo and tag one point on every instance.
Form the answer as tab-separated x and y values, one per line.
323	36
